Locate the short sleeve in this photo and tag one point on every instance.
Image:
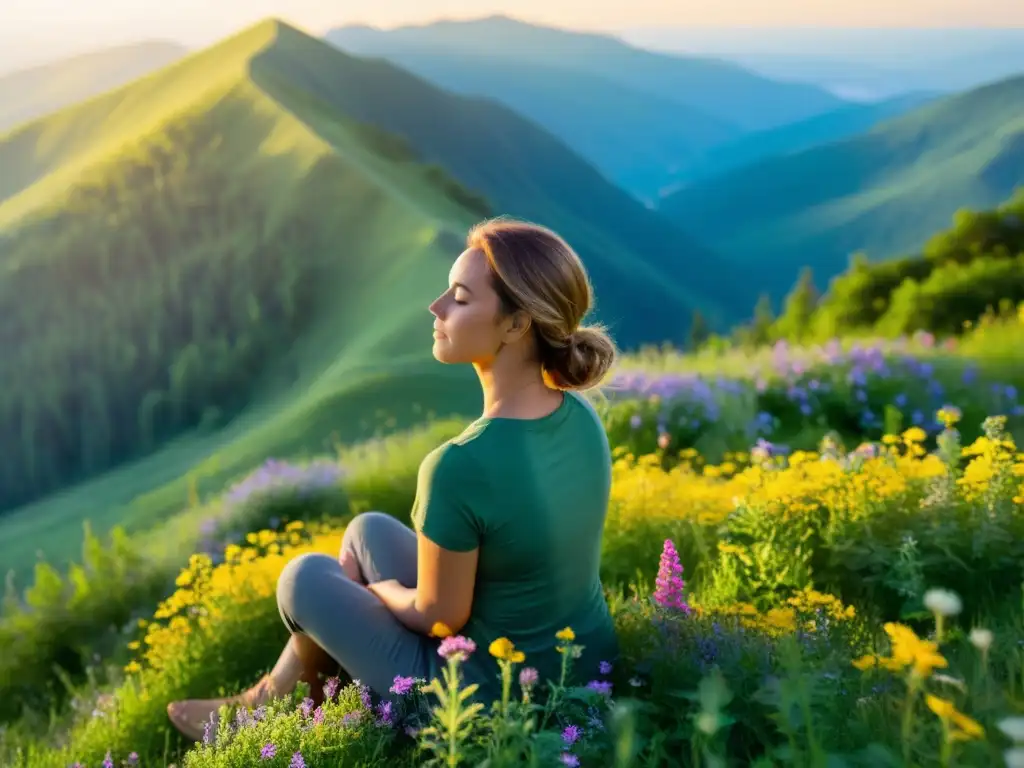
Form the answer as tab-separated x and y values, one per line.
442	511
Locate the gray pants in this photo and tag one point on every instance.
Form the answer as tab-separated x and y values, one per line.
349	622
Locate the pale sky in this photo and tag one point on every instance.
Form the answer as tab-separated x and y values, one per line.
41	29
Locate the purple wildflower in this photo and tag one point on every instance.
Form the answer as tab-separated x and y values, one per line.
670	584
402	685
601	686
571	735
605	667
528	677
331	688
133	758
268	751
569	759
297	761
208	731
306	706
318	716
385	717
457	648
108	761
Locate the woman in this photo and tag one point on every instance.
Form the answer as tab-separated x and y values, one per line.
508	516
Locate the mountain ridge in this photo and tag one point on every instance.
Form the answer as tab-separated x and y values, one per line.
750	100
256	255
881	192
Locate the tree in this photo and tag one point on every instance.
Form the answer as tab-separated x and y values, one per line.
800	304
699	331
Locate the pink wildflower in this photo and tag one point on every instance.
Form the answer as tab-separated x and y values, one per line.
669	583
458	648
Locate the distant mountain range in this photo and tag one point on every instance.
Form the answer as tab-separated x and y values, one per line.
596	92
854	62
882	192
31	93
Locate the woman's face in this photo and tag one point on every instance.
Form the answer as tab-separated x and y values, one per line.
467	328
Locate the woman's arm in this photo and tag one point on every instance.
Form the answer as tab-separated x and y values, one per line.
443	592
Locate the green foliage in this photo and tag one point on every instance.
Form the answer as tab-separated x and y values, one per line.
963	273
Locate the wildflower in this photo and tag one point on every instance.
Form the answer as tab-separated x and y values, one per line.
268	751
528	677
1014	757
571	735
1013	727
456	647
402	685
108	762
133	758
942	602
605	667
297	761
385	717
964	727
669	582
981	639
601	686
331	688
569	759
306	706
440	629
503	649
949	415
566	635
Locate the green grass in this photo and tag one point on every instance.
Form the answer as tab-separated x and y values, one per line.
882	192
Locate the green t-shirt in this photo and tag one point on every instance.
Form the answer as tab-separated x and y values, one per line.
532	494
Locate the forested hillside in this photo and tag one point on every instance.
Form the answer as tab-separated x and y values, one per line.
173	254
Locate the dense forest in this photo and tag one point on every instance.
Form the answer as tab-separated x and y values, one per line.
144	304
973	268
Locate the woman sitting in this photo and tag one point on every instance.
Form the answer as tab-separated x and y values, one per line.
508	516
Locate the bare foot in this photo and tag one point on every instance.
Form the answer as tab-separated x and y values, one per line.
191	716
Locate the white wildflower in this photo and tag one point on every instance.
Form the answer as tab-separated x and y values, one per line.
943	602
981	638
1013	727
1014	757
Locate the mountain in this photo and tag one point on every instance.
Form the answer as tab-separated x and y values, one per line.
245	243
31	93
596	116
715	88
883	192
788	139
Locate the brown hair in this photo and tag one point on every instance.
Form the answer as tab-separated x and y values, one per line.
533	269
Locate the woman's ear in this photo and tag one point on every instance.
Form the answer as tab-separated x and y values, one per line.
520	325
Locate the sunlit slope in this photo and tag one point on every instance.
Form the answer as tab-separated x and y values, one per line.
883	192
30	93
244	257
523	170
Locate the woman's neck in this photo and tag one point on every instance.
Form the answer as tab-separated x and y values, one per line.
516	393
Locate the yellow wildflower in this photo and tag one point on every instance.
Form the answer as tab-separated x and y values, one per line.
566	635
504	649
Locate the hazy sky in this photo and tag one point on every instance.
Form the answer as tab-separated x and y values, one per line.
41	29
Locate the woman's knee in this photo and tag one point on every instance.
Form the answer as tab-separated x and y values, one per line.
364	527
301	579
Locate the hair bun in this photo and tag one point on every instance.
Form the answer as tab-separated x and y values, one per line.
583	360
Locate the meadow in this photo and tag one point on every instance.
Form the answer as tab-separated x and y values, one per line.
812	553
